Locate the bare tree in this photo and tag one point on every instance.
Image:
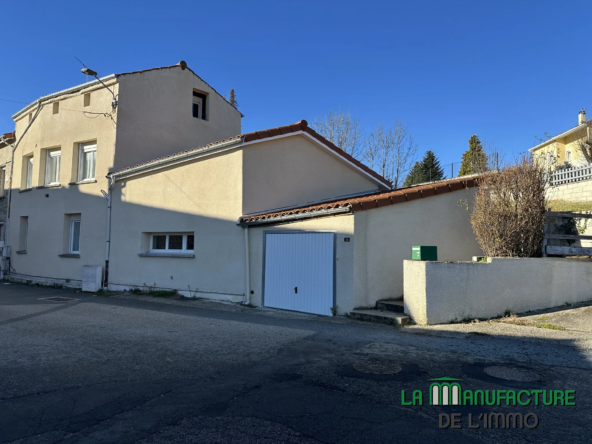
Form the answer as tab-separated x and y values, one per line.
342	129
391	152
585	145
509	214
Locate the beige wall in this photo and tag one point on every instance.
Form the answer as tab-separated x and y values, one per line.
293	171
202	197
342	226
155	118
384	237
437	292
46	208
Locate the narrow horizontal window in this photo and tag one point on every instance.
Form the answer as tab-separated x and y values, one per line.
172	243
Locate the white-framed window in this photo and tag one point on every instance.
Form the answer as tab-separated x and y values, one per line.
199	105
172	243
86	161
75	235
2	180
568	155
52	167
29	172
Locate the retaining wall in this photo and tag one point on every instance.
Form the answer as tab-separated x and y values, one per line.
441	292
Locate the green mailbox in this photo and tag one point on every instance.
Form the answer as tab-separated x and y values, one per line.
423	253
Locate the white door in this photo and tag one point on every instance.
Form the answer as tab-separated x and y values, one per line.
299	272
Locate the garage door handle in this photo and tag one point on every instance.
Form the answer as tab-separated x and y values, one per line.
296	290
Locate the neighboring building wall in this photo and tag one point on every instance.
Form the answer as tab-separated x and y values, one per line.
343	226
560	147
294	171
202	197
155	117
572	192
384	237
438	293
48	209
5	153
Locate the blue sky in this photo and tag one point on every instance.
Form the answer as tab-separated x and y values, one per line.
505	70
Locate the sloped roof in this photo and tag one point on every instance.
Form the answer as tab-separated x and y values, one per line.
255	136
82	86
366	202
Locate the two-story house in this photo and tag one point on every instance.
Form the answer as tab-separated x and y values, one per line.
77	136
148	179
564	147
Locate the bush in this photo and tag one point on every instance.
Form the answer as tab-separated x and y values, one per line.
509	213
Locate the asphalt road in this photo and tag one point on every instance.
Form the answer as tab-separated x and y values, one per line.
107	369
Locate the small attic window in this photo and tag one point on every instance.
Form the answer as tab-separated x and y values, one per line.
56	107
87	99
199	105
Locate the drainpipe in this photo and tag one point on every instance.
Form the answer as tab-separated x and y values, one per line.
247	269
107	196
15	146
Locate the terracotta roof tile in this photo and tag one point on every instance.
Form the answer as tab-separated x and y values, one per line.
370	201
265	134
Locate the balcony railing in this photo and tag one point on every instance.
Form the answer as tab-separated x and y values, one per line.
574	174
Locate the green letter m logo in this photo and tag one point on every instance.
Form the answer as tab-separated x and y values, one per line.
445	392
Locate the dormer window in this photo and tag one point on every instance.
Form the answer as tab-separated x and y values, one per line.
199	105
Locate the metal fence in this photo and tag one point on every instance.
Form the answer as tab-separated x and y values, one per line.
574	174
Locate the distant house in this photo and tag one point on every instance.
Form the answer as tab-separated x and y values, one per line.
563	148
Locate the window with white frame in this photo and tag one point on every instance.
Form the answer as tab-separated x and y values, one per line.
74	235
52	167
29	172
172	243
86	161
2	180
199	105
568	155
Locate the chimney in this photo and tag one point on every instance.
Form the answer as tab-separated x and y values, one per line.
582	116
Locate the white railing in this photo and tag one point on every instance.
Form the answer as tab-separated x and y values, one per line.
574	174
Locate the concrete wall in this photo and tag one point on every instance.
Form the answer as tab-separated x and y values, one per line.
572	192
384	237
46	208
342	226
294	171
155	117
438	292
202	197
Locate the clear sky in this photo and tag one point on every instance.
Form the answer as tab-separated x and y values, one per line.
505	70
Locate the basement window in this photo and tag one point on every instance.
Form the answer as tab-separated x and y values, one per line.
199	105
172	243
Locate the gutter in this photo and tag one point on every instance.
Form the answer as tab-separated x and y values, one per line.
291	217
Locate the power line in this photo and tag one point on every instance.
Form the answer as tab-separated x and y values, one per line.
65	109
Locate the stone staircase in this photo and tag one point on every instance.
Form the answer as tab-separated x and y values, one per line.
387	311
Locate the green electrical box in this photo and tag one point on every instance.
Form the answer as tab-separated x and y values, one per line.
423	253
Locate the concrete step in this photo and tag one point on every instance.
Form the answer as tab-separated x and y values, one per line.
390	305
380	316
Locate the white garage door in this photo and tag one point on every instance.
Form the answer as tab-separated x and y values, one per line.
299	272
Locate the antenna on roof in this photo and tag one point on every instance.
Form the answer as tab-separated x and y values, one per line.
90	72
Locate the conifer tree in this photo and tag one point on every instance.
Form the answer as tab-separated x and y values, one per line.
474	160
232	100
426	170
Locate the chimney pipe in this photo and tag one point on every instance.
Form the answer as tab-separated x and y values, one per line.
582	116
